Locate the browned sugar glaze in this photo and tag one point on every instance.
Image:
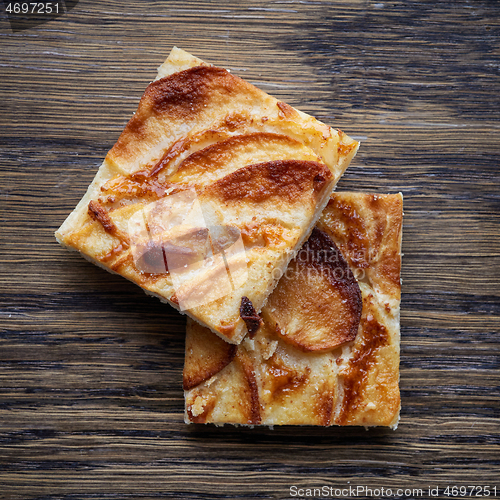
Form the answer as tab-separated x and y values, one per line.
184	94
375	336
368	236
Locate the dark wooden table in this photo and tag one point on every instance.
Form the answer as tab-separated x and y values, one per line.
91	403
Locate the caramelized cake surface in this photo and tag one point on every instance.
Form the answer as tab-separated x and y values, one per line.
209	191
327	352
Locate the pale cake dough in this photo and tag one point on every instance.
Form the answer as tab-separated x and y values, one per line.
259	169
327	352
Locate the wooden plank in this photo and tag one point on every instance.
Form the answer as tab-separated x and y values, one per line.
91	402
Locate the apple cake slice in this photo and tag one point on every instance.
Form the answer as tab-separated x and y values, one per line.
208	193
327	352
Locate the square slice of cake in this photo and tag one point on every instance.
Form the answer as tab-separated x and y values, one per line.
327	351
208	193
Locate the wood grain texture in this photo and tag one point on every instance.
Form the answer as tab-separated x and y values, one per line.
91	402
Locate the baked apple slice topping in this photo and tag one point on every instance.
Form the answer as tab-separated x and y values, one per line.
317	304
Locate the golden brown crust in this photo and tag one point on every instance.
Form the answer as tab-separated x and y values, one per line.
260	233
370	373
291	391
99	213
284	180
199	411
204	166
284	379
252	394
345	145
355	376
183	93
368	232
180	96
286	111
130	188
215	155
